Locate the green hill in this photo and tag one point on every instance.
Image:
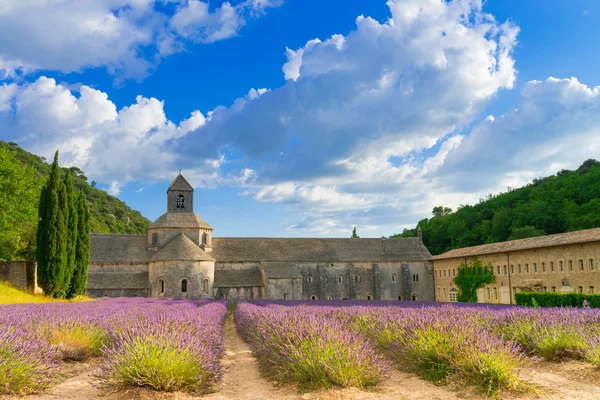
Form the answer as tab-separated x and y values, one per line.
567	201
22	176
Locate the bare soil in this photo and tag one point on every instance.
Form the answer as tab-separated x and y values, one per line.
242	381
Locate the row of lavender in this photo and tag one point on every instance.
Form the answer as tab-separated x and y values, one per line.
356	345
162	344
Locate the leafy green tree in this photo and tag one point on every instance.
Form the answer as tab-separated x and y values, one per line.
52	242
525	232
18	208
82	255
470	277
354	234
72	224
564	202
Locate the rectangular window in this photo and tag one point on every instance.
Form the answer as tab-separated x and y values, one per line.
560	266
444	273
444	293
551	266
519	269
581	268
505	270
439	293
512	269
554	289
591	264
526	268
534	267
570	265
454	272
580	289
543	267
436	274
591	290
496	293
453	296
498	269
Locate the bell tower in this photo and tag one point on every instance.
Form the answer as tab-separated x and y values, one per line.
180	196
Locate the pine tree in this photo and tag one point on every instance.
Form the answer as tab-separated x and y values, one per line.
82	252
52	254
354	234
73	214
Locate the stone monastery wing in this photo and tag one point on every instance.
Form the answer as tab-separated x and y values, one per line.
588	235
114	248
318	250
245	277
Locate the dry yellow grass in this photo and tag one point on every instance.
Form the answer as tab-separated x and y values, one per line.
11	295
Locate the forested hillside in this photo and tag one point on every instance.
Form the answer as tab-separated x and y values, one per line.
22	176
567	201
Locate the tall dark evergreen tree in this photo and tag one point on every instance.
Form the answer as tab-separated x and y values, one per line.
52	254
82	251
73	214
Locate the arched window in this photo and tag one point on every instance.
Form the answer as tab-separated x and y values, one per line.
340	279
329	297
161	285
206	285
453	295
155	238
285	296
184	286
369	297
400	298
580	289
393	277
414	297
591	290
310	279
357	278
313	297
180	201
204	238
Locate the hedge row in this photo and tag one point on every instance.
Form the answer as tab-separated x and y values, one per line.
551	299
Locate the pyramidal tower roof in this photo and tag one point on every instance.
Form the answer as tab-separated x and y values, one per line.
181	248
180	184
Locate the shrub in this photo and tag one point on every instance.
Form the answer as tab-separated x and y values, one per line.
551	299
77	341
302	345
26	365
172	351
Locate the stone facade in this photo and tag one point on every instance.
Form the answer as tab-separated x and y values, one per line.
20	274
180	258
562	263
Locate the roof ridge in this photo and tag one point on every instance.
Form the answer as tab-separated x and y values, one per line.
304	238
118	234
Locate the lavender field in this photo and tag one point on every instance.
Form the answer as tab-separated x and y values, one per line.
356	343
160	344
179	345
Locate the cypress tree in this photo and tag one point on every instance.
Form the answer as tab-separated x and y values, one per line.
82	251
73	214
52	253
41	236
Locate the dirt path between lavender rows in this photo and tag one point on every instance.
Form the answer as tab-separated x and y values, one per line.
242	381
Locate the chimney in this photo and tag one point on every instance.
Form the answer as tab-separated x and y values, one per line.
383	245
420	234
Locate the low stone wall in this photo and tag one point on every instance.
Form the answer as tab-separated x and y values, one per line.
20	274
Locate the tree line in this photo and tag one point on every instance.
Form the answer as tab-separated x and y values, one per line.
63	236
567	201
22	176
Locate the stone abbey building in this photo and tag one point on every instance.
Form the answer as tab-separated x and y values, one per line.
180	258
562	263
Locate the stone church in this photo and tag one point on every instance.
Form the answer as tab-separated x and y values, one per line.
180	258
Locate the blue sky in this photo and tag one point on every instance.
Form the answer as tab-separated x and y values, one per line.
416	104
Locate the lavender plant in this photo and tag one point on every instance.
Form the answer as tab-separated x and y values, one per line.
26	362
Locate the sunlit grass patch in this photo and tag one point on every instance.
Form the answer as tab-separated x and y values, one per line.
12	295
77	341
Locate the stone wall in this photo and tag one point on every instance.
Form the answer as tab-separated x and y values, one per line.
118	280
529	270
172	273
20	274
